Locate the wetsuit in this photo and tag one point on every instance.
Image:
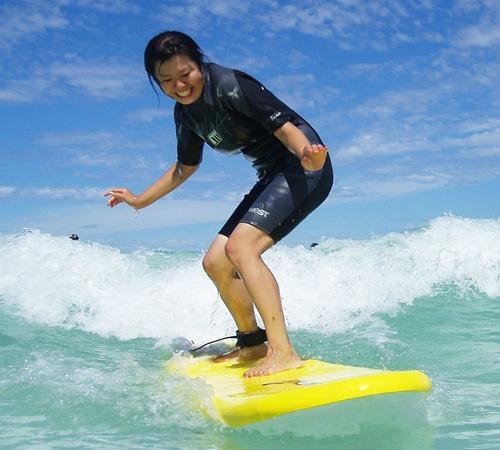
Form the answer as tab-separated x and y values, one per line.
235	113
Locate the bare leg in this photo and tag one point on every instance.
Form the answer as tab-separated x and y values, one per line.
244	249
235	296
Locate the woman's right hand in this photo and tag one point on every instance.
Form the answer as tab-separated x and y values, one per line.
314	157
119	195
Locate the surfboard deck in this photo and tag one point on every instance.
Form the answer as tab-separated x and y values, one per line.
237	401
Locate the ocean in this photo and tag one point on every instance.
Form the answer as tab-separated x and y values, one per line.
85	330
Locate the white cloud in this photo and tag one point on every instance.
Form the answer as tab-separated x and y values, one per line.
478	125
111	6
101	80
148	115
7	191
393	185
194	14
23	91
63	193
422	119
316	19
467	139
486	138
20	20
98	79
101	148
244	61
226	9
48	192
398	103
408	177
352	24
100	140
478	139
485	30
211	177
93	159
73	215
355	24
368	145
398	185
404	185
301	91
29	18
484	35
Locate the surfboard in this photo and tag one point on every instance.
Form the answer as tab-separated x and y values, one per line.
236	401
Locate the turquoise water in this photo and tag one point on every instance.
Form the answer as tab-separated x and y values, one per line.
85	330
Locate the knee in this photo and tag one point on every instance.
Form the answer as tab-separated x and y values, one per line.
235	252
210	265
217	267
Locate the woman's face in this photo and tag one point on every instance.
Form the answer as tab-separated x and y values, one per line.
180	78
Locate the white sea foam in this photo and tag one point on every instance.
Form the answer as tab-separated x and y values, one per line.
333	287
341	282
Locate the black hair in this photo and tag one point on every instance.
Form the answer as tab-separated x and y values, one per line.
167	44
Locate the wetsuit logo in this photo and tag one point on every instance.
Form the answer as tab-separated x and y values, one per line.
214	137
275	116
259	212
234	94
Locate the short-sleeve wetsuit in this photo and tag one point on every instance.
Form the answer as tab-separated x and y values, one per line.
235	113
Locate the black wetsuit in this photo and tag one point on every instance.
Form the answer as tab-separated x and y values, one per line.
235	113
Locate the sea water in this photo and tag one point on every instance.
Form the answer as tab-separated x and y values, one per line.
85	330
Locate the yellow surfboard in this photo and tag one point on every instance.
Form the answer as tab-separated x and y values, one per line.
236	401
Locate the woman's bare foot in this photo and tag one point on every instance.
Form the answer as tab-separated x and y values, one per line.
244	354
275	361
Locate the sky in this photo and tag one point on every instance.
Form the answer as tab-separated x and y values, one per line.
406	94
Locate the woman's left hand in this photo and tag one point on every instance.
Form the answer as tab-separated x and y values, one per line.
313	157
118	195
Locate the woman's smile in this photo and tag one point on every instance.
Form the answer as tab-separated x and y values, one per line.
180	78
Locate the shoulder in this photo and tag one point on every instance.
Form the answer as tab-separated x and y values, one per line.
248	84
228	76
217	73
223	79
233	86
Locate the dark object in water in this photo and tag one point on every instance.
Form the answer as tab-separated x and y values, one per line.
74	237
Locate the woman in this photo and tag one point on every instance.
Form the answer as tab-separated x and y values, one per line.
233	112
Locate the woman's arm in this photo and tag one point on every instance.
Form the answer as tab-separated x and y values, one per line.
312	156
172	178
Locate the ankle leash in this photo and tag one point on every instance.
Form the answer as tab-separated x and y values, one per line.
243	339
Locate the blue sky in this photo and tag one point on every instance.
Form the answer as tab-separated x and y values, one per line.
405	94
